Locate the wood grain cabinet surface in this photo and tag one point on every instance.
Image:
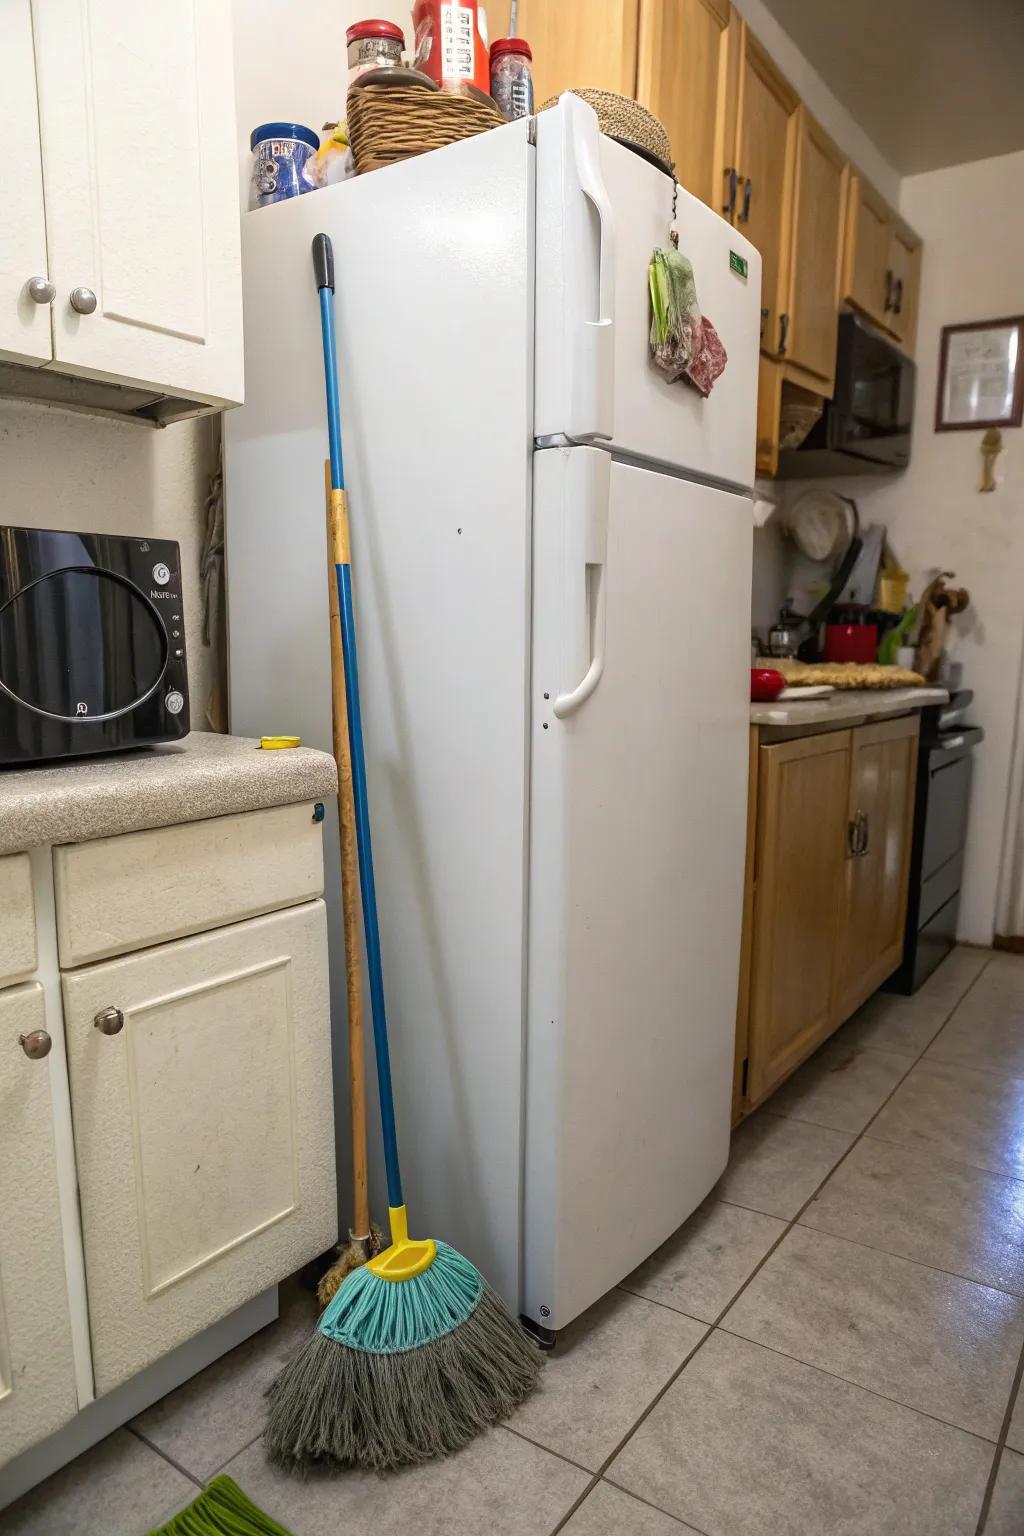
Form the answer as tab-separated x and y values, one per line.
881	262
827	871
809	295
686	75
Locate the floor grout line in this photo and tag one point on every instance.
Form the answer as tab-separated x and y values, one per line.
954	1274
912	1062
1000	1445
228	1459
164	1456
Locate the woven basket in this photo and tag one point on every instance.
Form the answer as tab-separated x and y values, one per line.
624	118
387	123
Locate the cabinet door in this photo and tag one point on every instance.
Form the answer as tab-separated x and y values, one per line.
866	262
140	163
764	148
24	325
575	42
815	233
37	1373
801	822
883	762
683	77
203	1129
905	264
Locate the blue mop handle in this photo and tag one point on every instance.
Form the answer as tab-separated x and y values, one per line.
323	264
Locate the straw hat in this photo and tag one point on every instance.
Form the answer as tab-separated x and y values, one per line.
624	119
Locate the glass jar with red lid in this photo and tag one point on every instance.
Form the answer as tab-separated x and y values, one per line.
373	45
511	80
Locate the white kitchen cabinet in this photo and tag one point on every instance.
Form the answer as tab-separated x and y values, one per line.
134	167
24	324
203	1128
37	1372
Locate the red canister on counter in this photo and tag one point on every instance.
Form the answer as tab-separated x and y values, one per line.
449	47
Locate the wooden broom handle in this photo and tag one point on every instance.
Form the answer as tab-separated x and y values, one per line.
338	554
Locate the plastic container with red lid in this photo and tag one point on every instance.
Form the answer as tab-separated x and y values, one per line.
373	45
511	80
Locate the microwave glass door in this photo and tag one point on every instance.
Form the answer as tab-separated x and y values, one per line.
81	644
881	402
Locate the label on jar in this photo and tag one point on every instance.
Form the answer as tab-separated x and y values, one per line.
456	42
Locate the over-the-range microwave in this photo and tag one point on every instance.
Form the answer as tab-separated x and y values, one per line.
92	644
865	428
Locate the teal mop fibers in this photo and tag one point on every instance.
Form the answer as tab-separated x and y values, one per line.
415	1354
223	1510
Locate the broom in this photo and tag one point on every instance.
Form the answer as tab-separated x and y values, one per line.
221	1510
415	1354
364	1239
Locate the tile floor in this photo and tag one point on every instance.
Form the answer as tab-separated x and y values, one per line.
831	1345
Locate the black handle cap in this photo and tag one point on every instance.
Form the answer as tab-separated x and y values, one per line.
323	261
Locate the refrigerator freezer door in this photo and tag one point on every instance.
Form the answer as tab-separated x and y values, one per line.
636	864
601	210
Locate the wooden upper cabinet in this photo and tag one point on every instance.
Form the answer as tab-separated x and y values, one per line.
809	289
764	145
883	760
905	265
686	76
575	42
866	256
801	819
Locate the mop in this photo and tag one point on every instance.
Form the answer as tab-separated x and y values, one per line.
415	1354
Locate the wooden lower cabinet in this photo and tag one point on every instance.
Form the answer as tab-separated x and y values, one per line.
883	762
827	870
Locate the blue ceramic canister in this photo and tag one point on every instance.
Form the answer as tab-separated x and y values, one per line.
280	154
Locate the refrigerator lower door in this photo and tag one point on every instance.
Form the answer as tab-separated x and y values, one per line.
601	210
639	769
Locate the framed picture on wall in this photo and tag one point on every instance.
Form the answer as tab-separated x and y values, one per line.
981	375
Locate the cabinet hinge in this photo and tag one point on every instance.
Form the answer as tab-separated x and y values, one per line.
745	1076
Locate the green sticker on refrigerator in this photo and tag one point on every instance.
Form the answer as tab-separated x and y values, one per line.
738	263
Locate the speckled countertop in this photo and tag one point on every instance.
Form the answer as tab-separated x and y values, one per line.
847	707
204	775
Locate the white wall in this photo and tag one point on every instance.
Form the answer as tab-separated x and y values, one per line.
63	469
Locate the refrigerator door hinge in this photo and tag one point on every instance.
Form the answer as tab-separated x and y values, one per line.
744	1080
531	131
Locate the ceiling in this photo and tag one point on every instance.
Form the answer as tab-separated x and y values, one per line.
931	82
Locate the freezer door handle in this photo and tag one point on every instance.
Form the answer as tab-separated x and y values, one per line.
588	483
591	406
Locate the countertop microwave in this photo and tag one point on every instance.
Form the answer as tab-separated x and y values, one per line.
865	428
92	644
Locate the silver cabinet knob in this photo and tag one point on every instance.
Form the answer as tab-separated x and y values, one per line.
36	1045
41	290
83	300
109	1021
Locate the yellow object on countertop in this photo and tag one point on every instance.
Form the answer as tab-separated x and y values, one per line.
276	743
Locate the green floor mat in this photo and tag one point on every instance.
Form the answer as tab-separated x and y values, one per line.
223	1510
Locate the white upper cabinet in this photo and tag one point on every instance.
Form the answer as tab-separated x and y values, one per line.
24	322
139	165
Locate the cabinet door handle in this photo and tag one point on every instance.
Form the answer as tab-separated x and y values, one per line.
783	333
897	302
852	836
888	289
765	312
867	834
109	1021
36	1045
748	187
729	207
83	301
41	290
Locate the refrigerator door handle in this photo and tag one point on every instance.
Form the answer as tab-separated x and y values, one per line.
585	579
591	406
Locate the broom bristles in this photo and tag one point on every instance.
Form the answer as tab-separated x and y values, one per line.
388	1404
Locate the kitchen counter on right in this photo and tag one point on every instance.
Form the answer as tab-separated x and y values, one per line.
845	708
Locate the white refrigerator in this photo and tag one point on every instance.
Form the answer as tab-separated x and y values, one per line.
551	566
